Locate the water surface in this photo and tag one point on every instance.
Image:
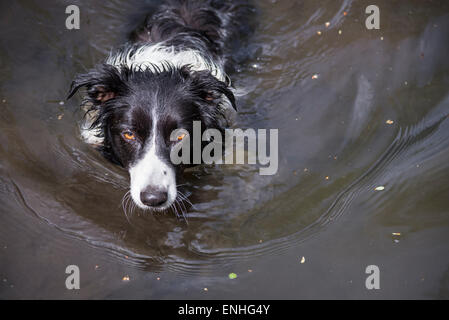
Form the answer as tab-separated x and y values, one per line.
61	201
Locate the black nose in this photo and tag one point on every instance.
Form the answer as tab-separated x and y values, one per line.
153	197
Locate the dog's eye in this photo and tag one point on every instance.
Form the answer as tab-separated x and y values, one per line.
128	135
181	136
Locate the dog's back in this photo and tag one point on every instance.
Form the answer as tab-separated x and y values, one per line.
201	25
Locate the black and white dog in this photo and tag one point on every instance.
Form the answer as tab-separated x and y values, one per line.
170	74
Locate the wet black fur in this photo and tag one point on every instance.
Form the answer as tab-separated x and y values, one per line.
199	25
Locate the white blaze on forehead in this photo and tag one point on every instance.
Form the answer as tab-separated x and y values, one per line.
152	171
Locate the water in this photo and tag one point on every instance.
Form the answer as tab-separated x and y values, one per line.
61	201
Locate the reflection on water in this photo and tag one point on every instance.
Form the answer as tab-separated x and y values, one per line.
334	140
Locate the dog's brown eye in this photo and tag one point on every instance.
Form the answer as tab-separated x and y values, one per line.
181	136
128	135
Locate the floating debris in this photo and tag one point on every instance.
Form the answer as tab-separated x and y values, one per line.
232	276
396	236
303	259
379	188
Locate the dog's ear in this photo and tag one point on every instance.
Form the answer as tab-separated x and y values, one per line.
209	88
216	99
103	83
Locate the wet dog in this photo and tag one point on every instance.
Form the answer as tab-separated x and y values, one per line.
170	74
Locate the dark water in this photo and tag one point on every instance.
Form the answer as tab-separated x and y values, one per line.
61	201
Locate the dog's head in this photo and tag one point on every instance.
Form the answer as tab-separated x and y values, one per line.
136	112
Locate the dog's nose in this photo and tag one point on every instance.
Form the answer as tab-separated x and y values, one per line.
153	197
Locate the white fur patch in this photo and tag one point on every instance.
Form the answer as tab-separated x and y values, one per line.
88	134
150	55
152	171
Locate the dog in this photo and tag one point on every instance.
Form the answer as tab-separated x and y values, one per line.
170	74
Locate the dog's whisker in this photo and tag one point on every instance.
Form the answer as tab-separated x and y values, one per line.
182	203
183	213
133	207
186	200
182	208
184	197
125	201
173	209
176	209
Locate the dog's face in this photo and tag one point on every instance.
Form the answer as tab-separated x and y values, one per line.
137	113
